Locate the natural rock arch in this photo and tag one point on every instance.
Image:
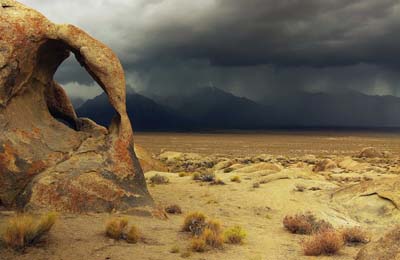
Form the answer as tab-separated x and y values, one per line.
43	162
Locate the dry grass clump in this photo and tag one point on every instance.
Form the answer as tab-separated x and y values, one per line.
133	235
305	224
213	238
195	223
206	235
355	235
235	235
236	179
204	177
214	225
23	230
159	179
198	244
326	242
173	209
209	234
117	228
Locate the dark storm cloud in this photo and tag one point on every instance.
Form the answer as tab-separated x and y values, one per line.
251	47
283	33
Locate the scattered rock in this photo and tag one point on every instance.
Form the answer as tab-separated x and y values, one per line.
324	165
187	162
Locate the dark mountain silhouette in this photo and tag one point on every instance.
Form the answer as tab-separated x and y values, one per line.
212	109
342	109
145	114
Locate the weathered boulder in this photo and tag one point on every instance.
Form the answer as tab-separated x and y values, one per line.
324	165
371	152
50	158
372	202
386	248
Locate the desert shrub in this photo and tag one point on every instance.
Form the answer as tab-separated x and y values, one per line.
159	179
213	238
236	179
173	209
195	223
256	185
198	244
218	181
133	235
23	230
204	177
305	224
326	242
235	235
355	235
116	227
214	225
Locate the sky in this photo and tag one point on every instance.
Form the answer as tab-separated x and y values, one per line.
252	48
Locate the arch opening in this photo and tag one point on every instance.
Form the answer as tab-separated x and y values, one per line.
54	58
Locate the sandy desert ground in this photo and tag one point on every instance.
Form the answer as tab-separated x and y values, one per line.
277	179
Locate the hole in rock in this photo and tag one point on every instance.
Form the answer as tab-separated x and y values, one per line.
87	97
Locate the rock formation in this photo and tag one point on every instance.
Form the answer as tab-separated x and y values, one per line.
371	152
385	248
50	158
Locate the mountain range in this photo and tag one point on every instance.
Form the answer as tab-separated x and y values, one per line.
211	108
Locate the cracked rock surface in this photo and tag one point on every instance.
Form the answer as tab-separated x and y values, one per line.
50	158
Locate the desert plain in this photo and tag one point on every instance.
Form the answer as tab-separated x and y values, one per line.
262	177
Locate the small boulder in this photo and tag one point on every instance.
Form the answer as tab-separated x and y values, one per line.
371	152
324	165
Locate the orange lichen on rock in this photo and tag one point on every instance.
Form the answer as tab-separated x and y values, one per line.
53	152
